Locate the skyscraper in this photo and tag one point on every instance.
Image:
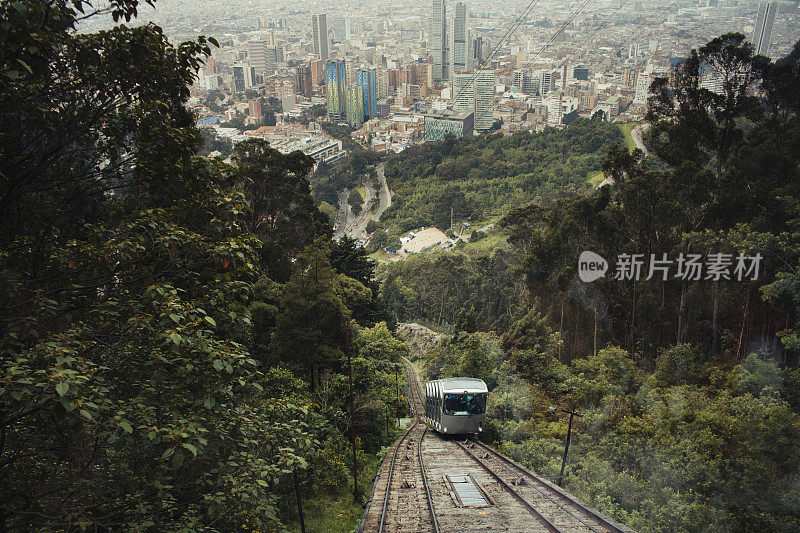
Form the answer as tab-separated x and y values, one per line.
477	50
463	93
460	48
474	93
319	29
243	77
238	78
439	41
484	98
257	55
302	84
355	105
340	28
337	93
763	30
367	78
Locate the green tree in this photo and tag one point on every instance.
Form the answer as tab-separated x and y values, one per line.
356	201
310	327
282	212
130	402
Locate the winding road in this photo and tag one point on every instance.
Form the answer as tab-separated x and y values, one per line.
636	135
355	226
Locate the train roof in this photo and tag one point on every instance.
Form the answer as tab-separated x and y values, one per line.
463	384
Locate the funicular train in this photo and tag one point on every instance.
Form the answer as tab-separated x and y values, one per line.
456	406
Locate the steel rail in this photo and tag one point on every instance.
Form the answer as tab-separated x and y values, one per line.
416	401
417	393
525	503
604	522
391	475
434	520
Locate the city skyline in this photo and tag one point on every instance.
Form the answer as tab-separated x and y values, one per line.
538	68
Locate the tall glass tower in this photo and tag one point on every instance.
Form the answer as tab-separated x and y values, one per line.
368	79
441	61
319	29
336	76
460	48
763	30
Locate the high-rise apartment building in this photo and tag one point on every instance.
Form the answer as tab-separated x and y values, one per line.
243	77
545	79
340	28
441	60
421	73
460	38
318	72
763	29
629	75
474	93
319	30
368	80
463	93
485	81
523	81
302	83
355	106
336	76
257	52
383	83
350	70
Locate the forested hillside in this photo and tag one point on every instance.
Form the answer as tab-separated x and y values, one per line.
687	385
486	176
174	330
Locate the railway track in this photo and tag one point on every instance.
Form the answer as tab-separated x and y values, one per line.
555	509
415	495
407	504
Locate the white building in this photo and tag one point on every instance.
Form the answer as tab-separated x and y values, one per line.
559	106
475	93
485	80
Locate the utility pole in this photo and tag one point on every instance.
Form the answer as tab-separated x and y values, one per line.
356	494
572	413
299	503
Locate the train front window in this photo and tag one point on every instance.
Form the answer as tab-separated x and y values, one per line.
464	404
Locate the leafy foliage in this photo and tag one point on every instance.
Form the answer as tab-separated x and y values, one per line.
142	286
488	175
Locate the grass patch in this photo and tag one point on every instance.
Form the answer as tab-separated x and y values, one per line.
337	514
379	255
495	239
626	129
363	192
596	178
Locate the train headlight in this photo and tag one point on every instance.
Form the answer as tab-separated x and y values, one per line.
480	429
445	430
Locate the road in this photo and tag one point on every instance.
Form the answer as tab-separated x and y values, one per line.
355	226
636	135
